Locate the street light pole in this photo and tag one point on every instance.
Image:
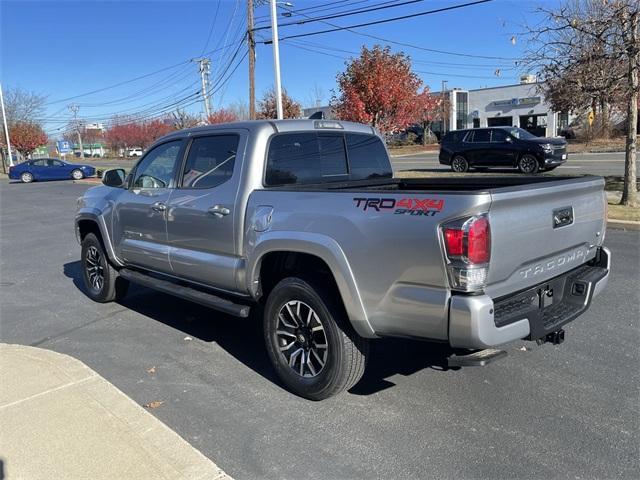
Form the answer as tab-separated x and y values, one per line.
276	59
6	129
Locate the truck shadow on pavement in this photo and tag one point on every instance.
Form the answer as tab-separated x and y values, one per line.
243	338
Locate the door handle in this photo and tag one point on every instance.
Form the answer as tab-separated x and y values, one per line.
219	211
159	207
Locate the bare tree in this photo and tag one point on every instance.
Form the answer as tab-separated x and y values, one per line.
23	105
317	96
240	109
267	106
586	53
183	119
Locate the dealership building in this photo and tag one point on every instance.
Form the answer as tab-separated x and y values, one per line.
520	105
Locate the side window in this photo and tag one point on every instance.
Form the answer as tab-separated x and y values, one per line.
367	157
481	136
39	163
210	161
498	136
157	168
469	137
293	158
54	163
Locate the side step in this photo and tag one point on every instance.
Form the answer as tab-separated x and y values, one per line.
476	359
197	296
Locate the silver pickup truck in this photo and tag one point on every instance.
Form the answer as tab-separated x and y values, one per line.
303	222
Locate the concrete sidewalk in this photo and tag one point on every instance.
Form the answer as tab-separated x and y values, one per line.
60	419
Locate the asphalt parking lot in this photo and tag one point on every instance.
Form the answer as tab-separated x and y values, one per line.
569	411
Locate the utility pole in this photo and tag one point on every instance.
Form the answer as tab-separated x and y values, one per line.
74	107
252	61
276	59
204	66
6	129
444	107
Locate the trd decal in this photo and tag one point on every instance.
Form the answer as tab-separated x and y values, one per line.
426	207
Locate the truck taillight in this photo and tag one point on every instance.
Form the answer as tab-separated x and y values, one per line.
467	243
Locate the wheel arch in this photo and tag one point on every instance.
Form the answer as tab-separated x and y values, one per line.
91	222
284	254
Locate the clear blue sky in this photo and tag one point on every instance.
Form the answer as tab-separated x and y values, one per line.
64	49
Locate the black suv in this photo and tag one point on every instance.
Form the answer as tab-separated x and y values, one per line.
506	147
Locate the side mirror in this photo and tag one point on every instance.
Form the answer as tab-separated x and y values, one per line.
114	178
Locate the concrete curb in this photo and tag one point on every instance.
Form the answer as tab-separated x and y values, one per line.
413	154
623	225
60	419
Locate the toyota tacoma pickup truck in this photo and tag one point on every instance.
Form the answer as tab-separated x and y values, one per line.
302	222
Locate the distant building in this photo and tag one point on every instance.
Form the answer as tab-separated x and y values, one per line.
521	105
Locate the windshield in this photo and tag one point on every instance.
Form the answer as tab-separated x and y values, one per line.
521	134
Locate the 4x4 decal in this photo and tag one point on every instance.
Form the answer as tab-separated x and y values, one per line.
404	206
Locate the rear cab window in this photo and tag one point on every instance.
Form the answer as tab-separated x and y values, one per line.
319	157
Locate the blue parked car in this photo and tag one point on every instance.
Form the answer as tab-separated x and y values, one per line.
49	169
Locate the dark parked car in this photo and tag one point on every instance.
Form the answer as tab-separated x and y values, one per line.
506	147
49	169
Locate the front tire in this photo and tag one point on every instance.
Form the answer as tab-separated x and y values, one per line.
77	174
459	164
312	347
528	164
26	177
101	280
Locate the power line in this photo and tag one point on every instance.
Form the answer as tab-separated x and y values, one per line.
125	82
417	71
343	14
387	20
404	44
502	65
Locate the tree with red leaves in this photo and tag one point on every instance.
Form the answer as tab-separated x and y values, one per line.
128	134
378	88
222	116
429	108
153	130
27	136
267	106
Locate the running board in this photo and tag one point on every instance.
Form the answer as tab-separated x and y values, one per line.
187	293
476	359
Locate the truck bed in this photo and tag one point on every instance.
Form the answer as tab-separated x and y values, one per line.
440	184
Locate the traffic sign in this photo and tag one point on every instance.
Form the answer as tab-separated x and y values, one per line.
64	147
590	117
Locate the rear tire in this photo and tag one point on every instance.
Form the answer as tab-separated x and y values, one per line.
528	164
312	347
26	177
77	174
101	280
459	164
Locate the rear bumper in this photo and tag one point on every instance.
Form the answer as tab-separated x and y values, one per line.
480	322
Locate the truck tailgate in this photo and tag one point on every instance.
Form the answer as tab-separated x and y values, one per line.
543	231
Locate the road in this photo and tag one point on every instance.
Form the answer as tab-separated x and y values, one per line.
578	163
568	411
